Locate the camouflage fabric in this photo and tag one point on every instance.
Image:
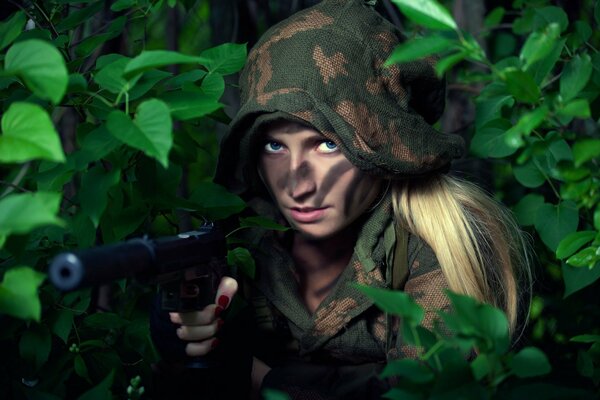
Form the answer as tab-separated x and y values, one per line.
324	66
347	328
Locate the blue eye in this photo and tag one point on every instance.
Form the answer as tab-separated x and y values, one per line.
327	146
273	147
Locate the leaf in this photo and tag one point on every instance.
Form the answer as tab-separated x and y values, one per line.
150	132
418	48
213	85
586	339
11	29
597	13
262	222
28	134
494	17
541	68
530	362
545	16
578	108
185	105
242	259
92	43
525	125
34	345
273	394
100	391
41	66
159	58
110	77
529	174
18	293
555	222
575	76
585	150
490	141
61	323
121	5
105	321
21	213
539	45
585	258
396	303
225	59
93	193
412	370
573	242
95	146
491	108
80	368
526	209
428	13
521	85
578	278
77	17
448	62
215	201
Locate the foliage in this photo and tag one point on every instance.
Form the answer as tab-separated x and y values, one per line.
106	135
134	137
537	115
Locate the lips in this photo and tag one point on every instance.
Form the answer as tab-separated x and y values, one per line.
307	214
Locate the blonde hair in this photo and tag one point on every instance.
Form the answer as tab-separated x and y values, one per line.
480	248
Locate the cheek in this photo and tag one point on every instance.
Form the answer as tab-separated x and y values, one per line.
274	174
360	194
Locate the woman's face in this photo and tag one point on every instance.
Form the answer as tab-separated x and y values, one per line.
316	188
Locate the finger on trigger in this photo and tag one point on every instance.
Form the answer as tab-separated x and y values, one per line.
227	289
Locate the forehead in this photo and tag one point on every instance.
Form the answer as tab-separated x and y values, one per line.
286	127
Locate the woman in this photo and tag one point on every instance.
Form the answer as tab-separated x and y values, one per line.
339	147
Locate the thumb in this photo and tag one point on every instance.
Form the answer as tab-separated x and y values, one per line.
225	292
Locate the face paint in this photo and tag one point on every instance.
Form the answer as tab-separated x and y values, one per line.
312	183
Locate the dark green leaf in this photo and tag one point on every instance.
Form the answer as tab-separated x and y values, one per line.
545	16
186	77
95	146
242	259
597	218
584	258
575	76
77	83
61	323
18	293
494	17
583	32
567	172
396	303
21	213
539	44
413	370
159	58
418	48
28	134
578	278
185	105
396	393
35	344
41	66
554	223
530	362
586	339
225	59
428	13
148	81
585	150
491	109
262	222
78	16
92	43
150	132
529	174
597	13
541	68
100	391
521	85
526	209
490	141
93	194
448	62
585	364
215	201
105	321
573	242
273	394
121	5
11	29
80	368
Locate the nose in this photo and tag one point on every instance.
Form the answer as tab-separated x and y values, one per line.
302	182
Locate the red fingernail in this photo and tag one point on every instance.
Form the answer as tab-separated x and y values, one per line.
220	323
214	343
223	301
218	311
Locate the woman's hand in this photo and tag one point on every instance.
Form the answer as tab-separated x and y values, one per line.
200	327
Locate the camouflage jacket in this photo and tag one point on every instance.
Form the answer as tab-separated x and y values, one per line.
338	351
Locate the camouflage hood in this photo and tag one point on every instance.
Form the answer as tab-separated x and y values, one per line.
323	67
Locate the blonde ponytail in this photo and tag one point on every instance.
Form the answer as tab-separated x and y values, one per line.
481	249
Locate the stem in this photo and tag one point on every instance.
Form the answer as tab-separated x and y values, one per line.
234	231
15	182
547	178
41	10
102	99
127	103
432	350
